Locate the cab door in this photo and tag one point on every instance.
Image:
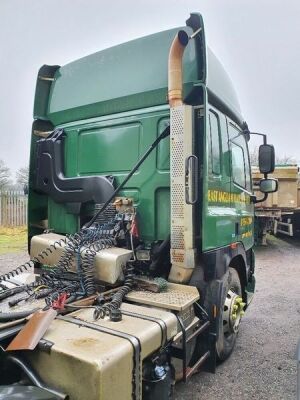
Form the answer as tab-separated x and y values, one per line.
217	215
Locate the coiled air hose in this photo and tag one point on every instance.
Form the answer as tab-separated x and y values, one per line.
39	259
93	240
116	301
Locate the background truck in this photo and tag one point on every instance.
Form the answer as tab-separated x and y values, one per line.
141	219
280	212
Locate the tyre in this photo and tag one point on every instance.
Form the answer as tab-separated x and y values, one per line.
229	315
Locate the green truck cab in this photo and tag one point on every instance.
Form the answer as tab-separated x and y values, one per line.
192	196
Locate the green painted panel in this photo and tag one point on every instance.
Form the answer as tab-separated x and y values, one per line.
146	186
98	147
162	204
59	220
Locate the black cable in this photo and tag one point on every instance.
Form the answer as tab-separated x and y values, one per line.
11	292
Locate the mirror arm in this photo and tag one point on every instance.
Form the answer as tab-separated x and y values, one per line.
260	134
255	200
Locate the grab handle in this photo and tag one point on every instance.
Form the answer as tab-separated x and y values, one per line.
191	179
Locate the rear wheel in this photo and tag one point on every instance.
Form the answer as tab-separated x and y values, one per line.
229	316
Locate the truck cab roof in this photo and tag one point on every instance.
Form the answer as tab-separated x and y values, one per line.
133	75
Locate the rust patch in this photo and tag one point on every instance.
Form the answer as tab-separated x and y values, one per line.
33	331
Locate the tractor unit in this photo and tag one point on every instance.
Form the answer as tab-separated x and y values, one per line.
140	224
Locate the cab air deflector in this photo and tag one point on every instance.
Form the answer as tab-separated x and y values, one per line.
50	178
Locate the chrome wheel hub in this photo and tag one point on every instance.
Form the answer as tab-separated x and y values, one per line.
233	312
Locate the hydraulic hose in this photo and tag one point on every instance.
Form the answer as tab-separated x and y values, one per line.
10	316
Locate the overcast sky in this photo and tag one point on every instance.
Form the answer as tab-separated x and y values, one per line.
258	42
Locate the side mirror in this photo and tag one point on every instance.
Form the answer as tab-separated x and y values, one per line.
266	158
268	185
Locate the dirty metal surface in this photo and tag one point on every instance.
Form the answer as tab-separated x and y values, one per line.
176	297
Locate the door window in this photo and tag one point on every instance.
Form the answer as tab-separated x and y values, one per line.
240	158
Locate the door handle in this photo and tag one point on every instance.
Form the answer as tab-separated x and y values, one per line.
191	179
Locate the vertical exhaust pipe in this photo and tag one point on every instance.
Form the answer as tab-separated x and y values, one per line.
182	249
175	68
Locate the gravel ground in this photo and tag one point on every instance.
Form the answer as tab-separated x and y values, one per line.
262	365
12	260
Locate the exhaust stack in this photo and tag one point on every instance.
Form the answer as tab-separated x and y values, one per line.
175	68
182	168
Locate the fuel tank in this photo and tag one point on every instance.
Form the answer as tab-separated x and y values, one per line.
102	359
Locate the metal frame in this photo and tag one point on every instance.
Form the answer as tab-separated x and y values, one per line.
278	225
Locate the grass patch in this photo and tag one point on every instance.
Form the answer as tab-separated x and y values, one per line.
13	240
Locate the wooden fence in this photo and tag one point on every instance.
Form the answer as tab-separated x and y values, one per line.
13	208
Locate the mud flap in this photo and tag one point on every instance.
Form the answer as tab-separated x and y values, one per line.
212	304
249	291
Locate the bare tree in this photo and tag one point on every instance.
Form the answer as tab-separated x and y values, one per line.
22	176
283	160
4	175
